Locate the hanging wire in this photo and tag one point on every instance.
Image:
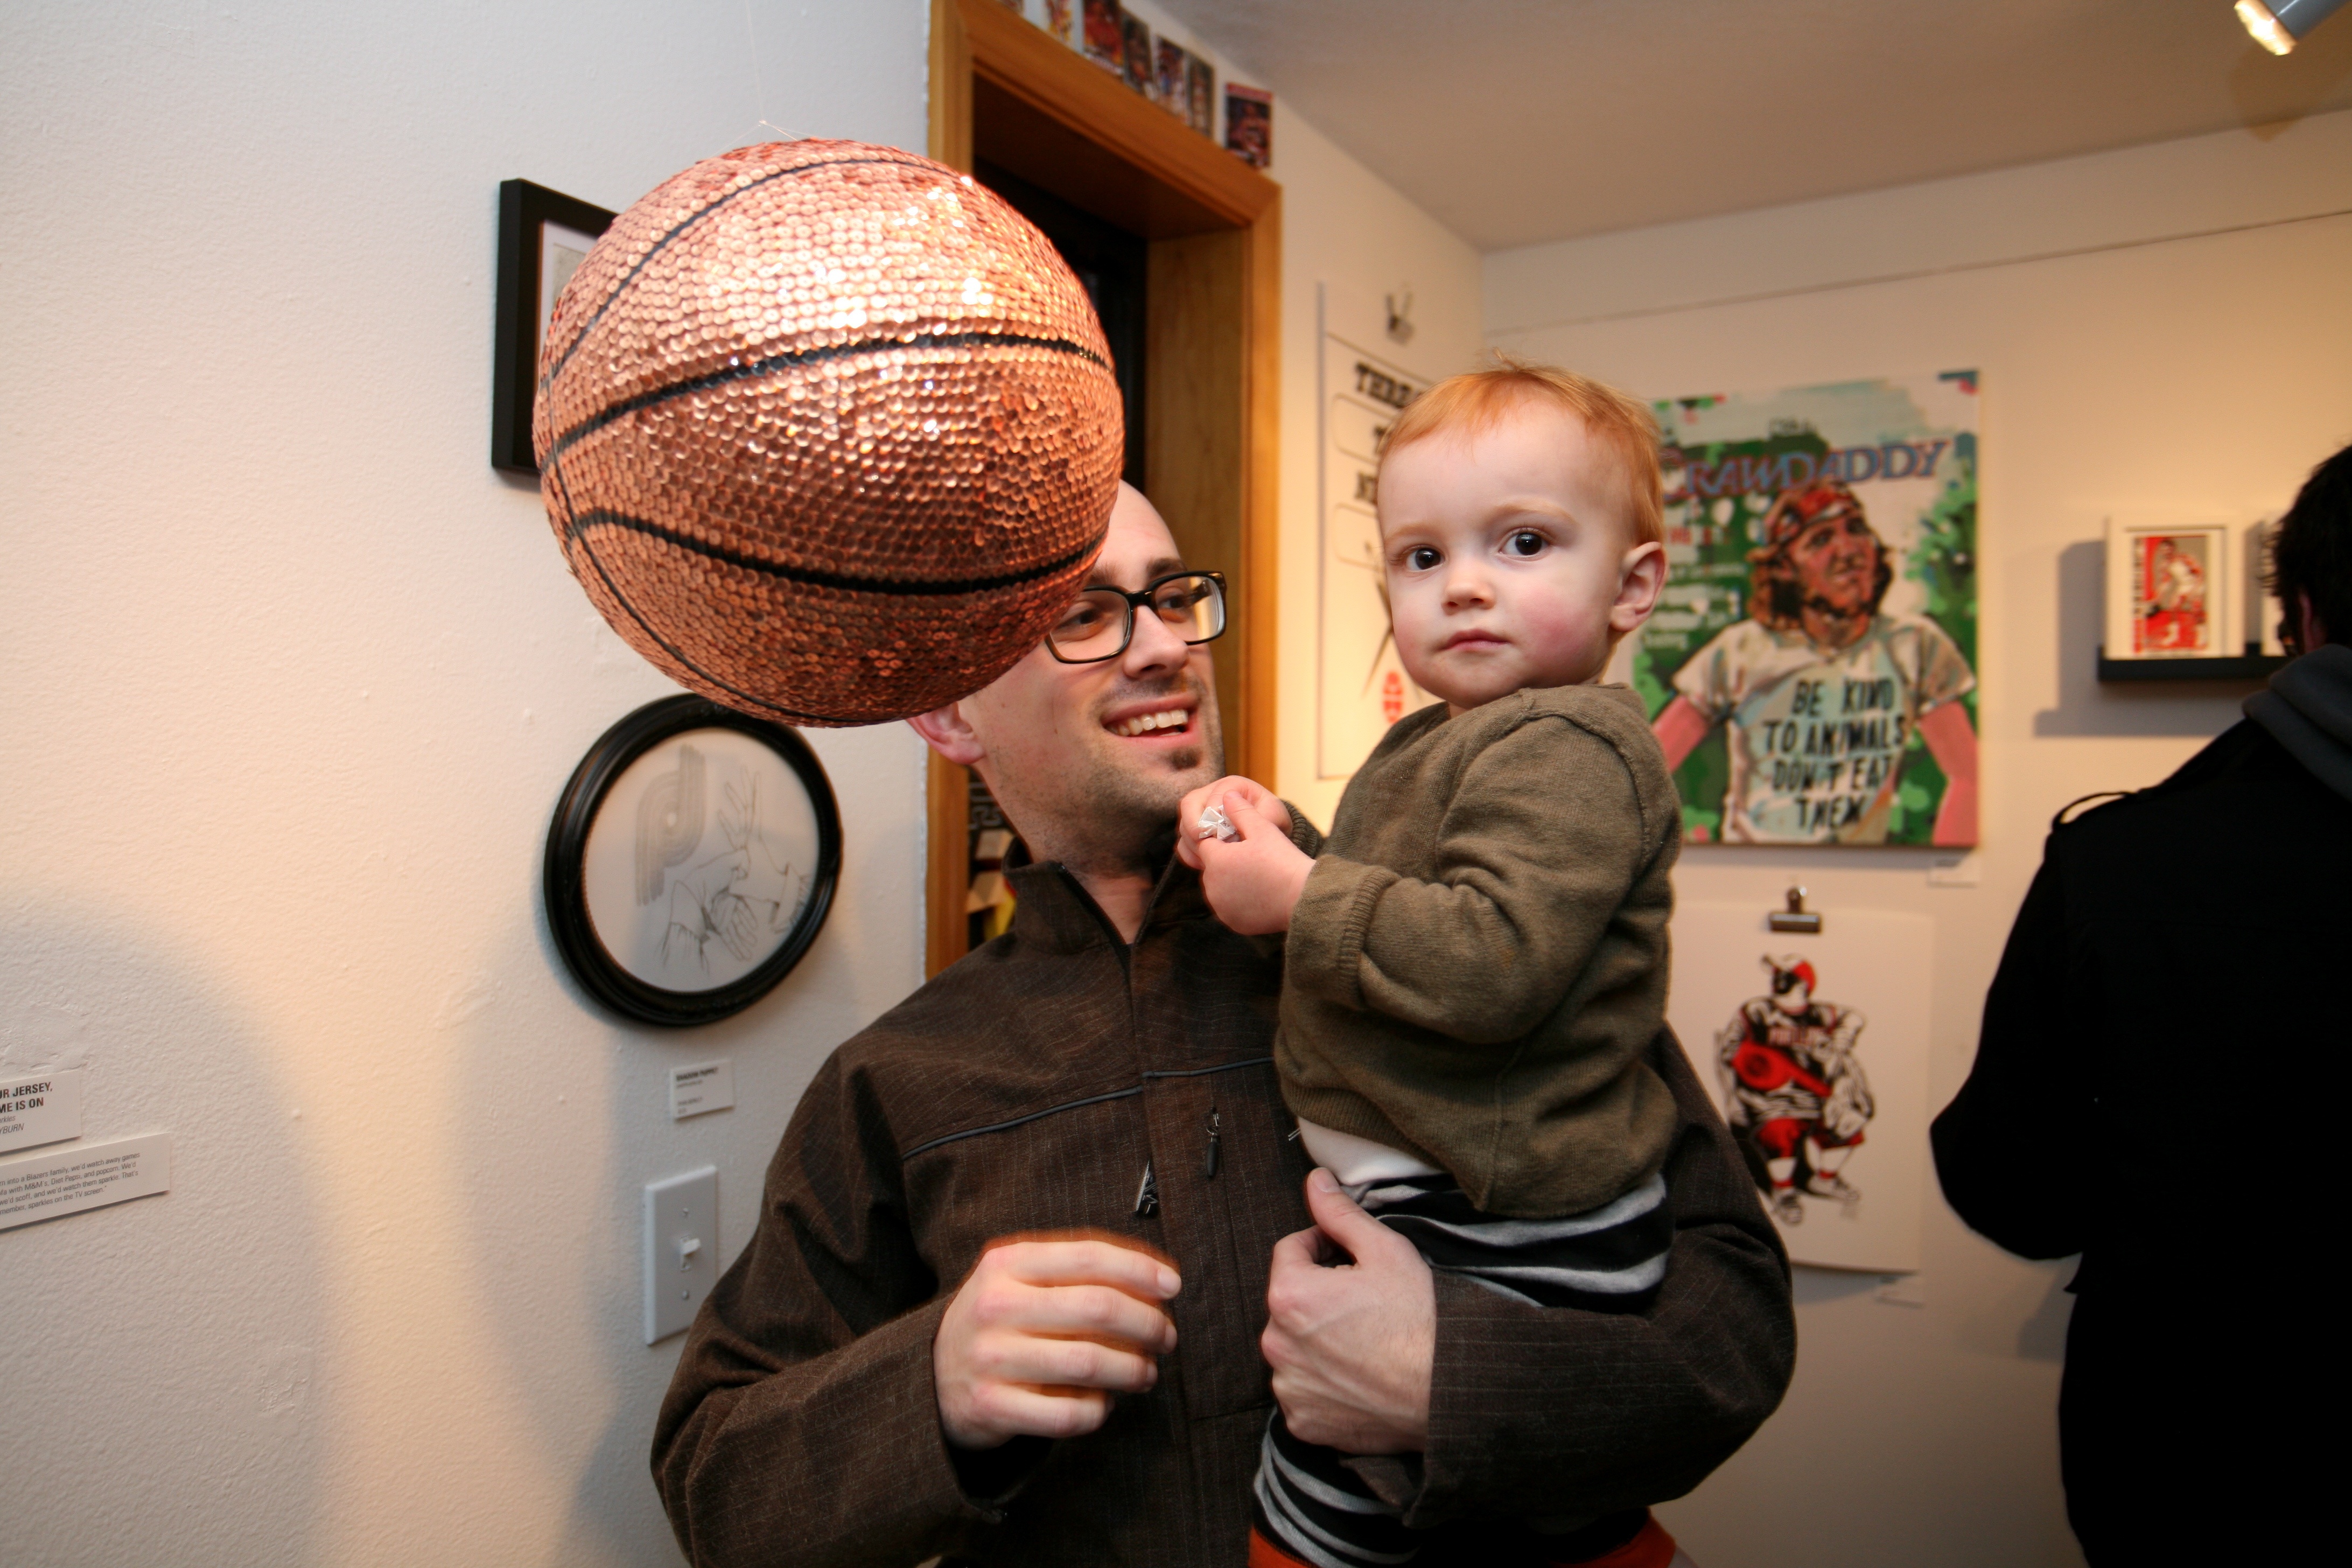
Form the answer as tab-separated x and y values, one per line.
760	90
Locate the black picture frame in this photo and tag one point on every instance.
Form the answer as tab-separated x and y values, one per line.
524	212
565	884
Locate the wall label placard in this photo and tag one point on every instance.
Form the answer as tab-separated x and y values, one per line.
1361	687
705	1086
38	1108
85	1176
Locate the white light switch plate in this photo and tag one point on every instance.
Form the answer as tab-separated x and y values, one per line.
681	1249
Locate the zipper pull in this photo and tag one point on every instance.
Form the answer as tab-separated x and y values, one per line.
1147	1196
1209	1165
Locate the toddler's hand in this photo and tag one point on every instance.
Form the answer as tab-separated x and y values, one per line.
1253	883
1189	810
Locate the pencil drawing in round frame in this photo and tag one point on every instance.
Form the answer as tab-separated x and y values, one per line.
691	861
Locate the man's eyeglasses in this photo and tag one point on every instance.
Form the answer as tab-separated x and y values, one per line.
1101	622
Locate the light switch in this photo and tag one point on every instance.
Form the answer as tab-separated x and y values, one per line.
681	1249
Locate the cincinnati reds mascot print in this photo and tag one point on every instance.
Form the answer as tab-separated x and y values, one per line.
1796	1098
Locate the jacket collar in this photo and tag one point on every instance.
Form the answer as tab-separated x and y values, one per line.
1051	908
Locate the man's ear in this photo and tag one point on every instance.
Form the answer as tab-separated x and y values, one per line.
2308	626
946	732
1644	575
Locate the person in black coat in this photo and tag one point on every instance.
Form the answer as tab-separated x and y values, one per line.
2160	1088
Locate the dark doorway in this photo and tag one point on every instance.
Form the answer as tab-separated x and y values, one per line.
1112	264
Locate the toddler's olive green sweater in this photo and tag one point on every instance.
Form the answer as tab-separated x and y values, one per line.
1479	958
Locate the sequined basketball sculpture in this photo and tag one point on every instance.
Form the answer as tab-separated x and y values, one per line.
827	431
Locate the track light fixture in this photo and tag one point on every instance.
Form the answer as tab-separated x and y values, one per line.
2281	25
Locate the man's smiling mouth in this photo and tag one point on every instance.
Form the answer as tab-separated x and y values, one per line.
1147	723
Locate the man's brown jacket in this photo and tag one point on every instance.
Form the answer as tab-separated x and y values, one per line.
1032	1087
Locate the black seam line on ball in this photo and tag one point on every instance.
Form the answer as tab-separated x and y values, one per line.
685	223
1074	1104
643	400
897	587
572	538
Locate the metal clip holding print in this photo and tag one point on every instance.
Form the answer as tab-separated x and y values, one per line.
1796	917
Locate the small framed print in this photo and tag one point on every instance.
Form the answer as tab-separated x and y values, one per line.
543	235
2172	592
691	861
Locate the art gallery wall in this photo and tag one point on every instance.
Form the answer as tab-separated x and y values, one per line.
1353	237
291	681
2163	329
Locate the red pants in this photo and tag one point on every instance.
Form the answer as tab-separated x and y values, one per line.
1779	1137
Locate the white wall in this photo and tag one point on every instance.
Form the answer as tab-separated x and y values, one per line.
291	681
2203	374
1344	228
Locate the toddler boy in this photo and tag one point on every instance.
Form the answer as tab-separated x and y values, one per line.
1478	962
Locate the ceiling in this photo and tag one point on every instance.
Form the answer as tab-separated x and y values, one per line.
1514	122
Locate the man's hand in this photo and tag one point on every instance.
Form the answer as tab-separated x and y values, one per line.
1350	1347
1232	786
1043	1332
1254	882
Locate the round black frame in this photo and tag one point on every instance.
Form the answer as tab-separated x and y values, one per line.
565	893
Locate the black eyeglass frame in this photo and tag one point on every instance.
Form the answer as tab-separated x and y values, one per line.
1142	598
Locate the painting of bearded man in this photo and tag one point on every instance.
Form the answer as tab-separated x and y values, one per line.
1819	692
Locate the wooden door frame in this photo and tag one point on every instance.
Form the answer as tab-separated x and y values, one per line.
1215	227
